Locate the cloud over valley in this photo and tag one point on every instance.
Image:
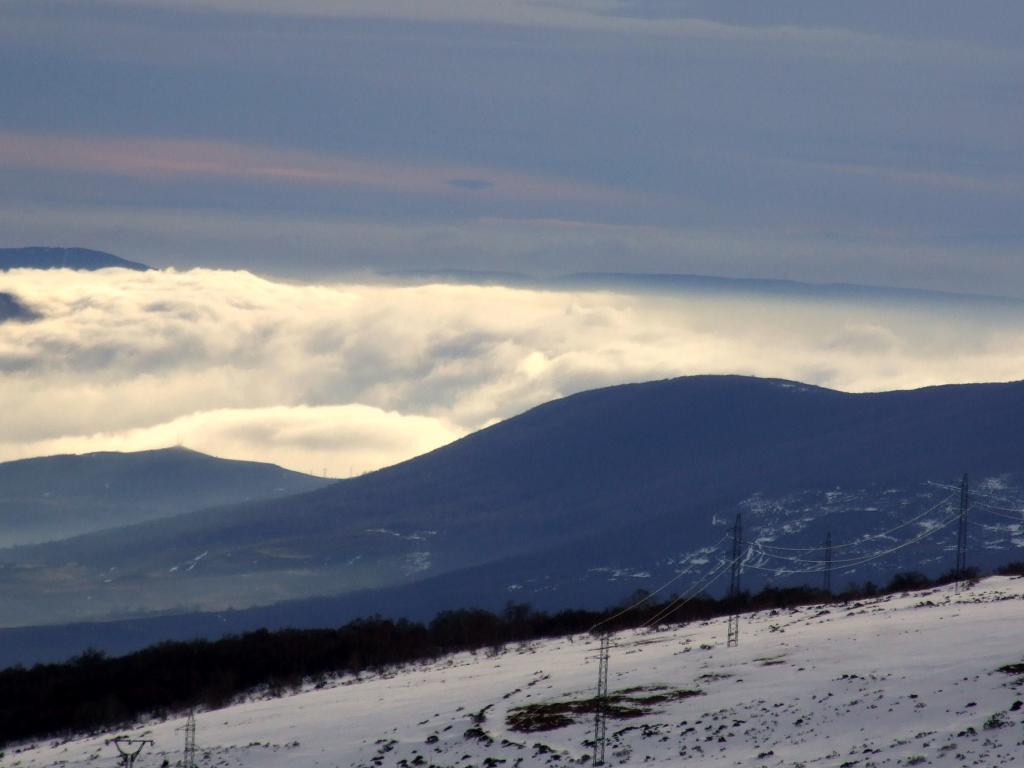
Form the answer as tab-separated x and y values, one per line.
355	375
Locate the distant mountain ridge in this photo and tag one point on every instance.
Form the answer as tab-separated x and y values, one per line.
578	501
44	257
49	257
679	282
60	496
768	287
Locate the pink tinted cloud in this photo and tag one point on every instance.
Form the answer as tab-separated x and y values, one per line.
169	158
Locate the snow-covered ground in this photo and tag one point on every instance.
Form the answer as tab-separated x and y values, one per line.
902	680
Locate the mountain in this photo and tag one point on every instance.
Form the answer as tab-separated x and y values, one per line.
672	283
579	501
38	257
12	308
61	496
923	678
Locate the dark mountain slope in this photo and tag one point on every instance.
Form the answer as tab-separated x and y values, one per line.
61	496
766	288
12	308
39	257
634	477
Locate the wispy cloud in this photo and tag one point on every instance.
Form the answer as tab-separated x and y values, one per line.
353	376
935	179
168	158
603	16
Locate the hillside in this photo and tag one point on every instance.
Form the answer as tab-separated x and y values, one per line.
40	257
57	497
12	308
605	491
912	679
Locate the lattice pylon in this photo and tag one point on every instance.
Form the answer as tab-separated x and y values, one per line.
188	759
601	701
733	634
961	537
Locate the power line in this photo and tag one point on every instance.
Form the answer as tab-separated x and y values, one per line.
855	562
188	759
745	558
977	503
975	493
864	539
733	635
961	539
601	701
660	589
999	512
741	556
689	595
828	563
856	559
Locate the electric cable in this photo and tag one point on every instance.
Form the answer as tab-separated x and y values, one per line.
865	559
867	537
694	591
662	588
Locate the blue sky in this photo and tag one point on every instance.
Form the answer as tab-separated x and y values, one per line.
871	142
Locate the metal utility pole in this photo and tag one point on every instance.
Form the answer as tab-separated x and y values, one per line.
188	759
601	701
828	562
129	749
961	540
734	585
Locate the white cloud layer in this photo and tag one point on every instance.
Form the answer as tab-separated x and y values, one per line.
349	377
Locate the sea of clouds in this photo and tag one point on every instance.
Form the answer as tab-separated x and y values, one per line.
351	376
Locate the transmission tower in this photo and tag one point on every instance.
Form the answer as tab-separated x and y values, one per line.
828	562
129	749
961	539
734	585
188	758
601	701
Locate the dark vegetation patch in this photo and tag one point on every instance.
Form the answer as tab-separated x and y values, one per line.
1016	568
621	705
1013	669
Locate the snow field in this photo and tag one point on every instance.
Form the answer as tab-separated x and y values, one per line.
899	680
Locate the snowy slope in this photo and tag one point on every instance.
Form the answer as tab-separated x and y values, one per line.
900	680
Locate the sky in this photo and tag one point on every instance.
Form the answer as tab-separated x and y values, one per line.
872	142
275	158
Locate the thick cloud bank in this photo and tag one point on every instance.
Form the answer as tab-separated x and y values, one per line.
352	376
